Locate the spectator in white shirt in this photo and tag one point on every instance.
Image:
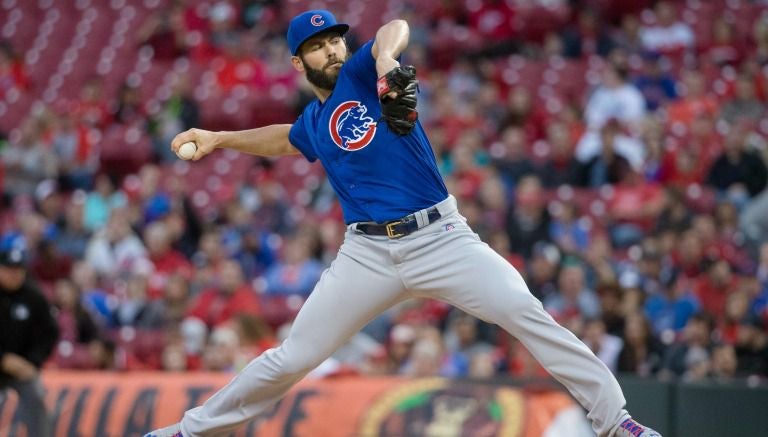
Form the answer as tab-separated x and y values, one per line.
614	100
668	34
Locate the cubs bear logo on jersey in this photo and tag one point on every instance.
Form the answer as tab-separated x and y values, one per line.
350	126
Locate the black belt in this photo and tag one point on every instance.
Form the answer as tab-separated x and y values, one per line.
398	228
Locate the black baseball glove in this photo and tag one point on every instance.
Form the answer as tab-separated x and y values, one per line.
399	111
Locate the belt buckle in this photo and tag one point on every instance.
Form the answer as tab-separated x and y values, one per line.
391	233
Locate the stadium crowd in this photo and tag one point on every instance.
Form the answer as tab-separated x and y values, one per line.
614	152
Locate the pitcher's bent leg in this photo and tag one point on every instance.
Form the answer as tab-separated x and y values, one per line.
473	277
356	287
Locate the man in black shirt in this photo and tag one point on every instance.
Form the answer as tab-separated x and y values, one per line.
28	333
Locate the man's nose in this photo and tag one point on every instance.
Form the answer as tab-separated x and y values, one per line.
330	51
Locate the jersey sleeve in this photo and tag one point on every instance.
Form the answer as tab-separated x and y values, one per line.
362	65
299	138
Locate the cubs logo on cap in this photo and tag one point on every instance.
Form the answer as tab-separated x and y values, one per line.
308	24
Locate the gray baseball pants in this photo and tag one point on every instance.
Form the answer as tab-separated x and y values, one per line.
444	260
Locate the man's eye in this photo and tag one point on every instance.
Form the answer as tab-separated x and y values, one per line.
335	40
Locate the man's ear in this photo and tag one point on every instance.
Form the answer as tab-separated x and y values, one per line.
298	65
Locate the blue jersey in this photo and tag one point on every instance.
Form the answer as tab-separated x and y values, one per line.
377	174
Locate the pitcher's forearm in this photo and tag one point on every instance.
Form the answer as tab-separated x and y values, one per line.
263	141
269	140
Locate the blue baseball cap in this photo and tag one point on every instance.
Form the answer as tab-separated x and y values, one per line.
308	24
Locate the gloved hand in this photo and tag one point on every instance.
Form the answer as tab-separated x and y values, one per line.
397	94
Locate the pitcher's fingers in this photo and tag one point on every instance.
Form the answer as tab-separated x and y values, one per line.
199	153
183	137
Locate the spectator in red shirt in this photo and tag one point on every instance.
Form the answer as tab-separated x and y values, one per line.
239	66
165	260
695	101
722	48
633	208
230	297
13	75
521	111
713	288
494	22
91	108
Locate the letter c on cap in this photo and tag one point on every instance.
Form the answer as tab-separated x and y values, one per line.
317	20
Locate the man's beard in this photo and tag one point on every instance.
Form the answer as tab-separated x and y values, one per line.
321	79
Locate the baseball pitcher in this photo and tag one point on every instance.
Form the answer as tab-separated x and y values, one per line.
404	239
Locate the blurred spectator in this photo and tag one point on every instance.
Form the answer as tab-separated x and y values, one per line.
560	167
115	248
668	34
642	352
724	362
541	275
566	230
493	203
528	218
744	105
27	158
689	356
510	156
523	111
71	237
129	109
612	161
614	99
28	334
628	36
165	32
655	82
229	297
713	288
13	74
78	156
723	47
100	203
739	173
494	21
134	307
179	112
91	108
752	348
669	311
587	37
574	301
606	346
632	209
426	357
47	265
95	299
295	272
695	100
462	344
165	260
238	65
221	352
655	272
79	344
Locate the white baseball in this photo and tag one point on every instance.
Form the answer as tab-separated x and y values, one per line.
187	150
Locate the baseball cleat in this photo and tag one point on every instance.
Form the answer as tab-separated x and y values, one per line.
168	431
630	428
